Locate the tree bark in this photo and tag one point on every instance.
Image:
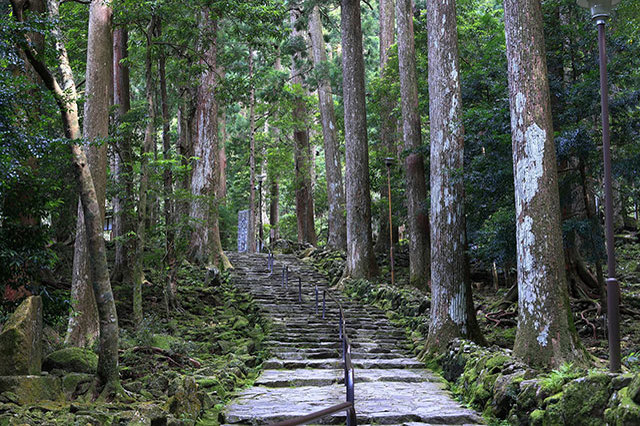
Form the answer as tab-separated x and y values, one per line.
252	160
123	201
147	149
274	198
388	122
361	262
417	218
83	324
546	335
65	96
452	311
337	235
303	160
170	283
204	210
221	180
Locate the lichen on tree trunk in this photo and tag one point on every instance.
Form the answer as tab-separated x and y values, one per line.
452	311
546	335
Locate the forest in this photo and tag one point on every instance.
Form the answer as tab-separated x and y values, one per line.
184	186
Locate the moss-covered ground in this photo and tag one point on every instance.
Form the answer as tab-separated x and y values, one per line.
178	368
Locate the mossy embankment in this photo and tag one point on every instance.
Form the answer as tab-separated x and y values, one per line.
490	379
177	369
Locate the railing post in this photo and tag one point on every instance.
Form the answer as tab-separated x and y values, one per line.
299	290
340	324
316	299
286	277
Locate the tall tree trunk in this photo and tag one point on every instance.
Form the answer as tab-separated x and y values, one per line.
388	122
252	160
65	96
123	201
83	323
274	198
303	161
203	209
452	311
170	283
546	335
361	262
221	180
414	162
337	238
147	149
184	150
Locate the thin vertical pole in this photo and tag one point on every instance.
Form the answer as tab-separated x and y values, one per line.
612	284
390	222
299	290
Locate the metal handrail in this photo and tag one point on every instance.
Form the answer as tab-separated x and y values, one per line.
346	356
348	405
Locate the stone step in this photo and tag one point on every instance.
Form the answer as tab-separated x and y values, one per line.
336	353
305	373
375	402
275	363
325	377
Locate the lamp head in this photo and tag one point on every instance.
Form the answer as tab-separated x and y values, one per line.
260	178
600	9
389	161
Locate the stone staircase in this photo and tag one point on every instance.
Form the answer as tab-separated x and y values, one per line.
306	372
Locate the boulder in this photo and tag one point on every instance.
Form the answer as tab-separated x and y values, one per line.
31	389
73	360
21	340
186	401
634	389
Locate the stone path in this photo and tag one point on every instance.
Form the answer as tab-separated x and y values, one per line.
306	375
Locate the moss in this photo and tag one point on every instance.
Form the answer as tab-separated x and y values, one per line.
497	362
31	389
75	360
624	411
163	341
586	398
536	417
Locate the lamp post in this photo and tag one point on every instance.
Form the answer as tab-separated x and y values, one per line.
260	243
600	10
389	162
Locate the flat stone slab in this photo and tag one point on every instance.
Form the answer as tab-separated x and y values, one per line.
324	377
393	363
376	402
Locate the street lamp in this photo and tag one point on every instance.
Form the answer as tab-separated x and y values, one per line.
600	10
260	179
389	162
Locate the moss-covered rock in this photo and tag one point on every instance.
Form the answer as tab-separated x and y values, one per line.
186	401
75	360
505	393
21	340
634	389
582	402
76	384
31	389
622	411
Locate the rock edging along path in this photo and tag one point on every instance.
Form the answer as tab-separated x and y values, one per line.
306	372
